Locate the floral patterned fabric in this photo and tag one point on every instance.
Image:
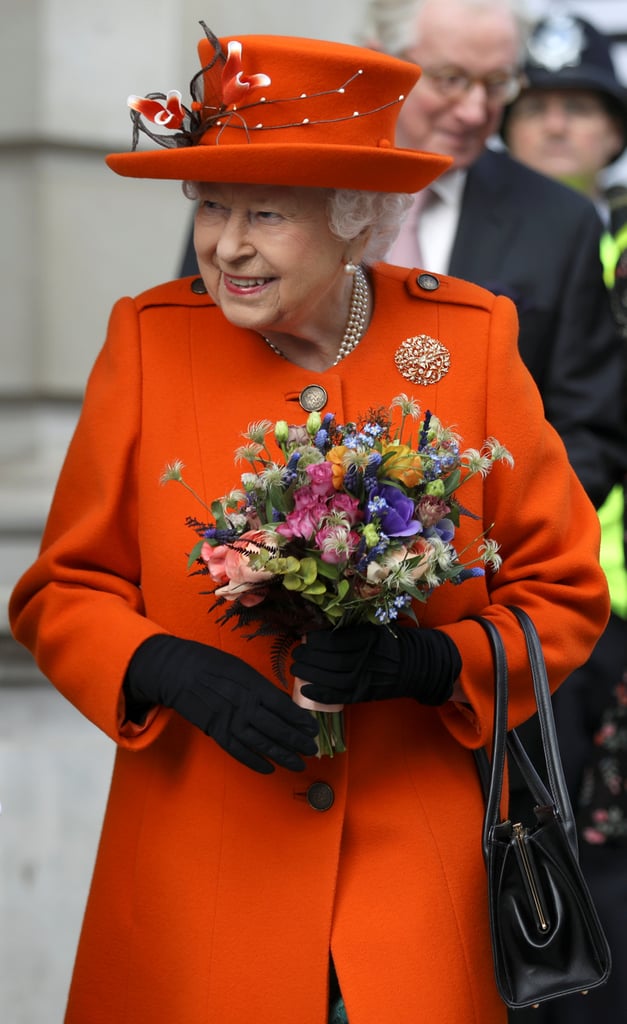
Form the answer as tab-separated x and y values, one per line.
603	799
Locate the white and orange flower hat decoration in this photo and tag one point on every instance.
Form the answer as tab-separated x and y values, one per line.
283	110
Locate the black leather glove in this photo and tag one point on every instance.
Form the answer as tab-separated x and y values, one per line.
224	697
362	663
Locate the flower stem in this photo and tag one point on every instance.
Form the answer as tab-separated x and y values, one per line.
331	733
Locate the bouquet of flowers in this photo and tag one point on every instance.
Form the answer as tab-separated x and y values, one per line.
339	524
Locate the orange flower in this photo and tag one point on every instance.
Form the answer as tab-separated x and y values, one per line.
336	458
402	463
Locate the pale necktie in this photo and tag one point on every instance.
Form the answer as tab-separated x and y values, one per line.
405	251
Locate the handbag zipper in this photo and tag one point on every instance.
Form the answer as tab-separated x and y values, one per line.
519	835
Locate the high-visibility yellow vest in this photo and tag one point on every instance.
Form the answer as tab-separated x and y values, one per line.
612	512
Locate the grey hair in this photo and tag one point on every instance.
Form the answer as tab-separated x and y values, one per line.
351	212
380	213
190	189
390	24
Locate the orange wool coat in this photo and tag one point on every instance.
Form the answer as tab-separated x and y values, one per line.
217	892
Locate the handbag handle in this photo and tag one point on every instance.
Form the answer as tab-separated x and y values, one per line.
502	741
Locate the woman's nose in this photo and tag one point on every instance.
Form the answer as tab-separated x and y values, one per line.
234	239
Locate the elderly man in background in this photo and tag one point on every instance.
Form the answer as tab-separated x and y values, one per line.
495	222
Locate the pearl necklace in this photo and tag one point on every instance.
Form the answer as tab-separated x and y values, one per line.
357	317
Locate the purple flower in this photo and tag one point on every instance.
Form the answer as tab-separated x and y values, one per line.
393	510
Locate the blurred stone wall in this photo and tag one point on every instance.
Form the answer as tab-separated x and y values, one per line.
73	238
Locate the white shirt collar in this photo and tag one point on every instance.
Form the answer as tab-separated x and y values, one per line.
449	186
437	226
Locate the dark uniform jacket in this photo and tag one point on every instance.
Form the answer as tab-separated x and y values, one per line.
524	235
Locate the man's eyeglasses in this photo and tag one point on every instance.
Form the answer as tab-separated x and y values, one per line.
453	83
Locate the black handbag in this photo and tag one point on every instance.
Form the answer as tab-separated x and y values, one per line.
547	940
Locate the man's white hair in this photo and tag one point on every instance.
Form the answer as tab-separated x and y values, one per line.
391	24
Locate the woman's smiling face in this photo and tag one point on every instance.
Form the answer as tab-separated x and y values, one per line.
268	258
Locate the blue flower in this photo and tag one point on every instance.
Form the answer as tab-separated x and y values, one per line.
321	440
468	574
374	461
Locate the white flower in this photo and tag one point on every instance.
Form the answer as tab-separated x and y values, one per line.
257	431
497	452
489	553
248	452
173	471
477	461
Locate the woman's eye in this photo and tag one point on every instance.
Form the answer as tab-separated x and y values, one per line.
268	215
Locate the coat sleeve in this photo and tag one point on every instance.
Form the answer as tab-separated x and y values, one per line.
86	582
549	536
584	385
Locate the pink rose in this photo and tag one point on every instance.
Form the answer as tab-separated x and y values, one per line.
321	476
230	565
309	511
347	504
214	558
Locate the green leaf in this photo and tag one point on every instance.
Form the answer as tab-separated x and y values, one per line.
326	570
317	587
218	514
308	570
292	565
292	582
277	498
452	482
194	554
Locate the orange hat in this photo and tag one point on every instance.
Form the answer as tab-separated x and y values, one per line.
279	110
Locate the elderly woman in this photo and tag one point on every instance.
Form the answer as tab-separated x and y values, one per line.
239	877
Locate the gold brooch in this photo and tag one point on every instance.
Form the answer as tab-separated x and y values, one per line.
423	360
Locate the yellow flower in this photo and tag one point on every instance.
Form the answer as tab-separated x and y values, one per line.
402	463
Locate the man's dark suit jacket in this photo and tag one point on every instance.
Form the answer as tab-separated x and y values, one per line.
523	235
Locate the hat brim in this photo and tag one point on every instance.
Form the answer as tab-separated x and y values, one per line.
371	169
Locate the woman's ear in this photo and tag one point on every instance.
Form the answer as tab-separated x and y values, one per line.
358	246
